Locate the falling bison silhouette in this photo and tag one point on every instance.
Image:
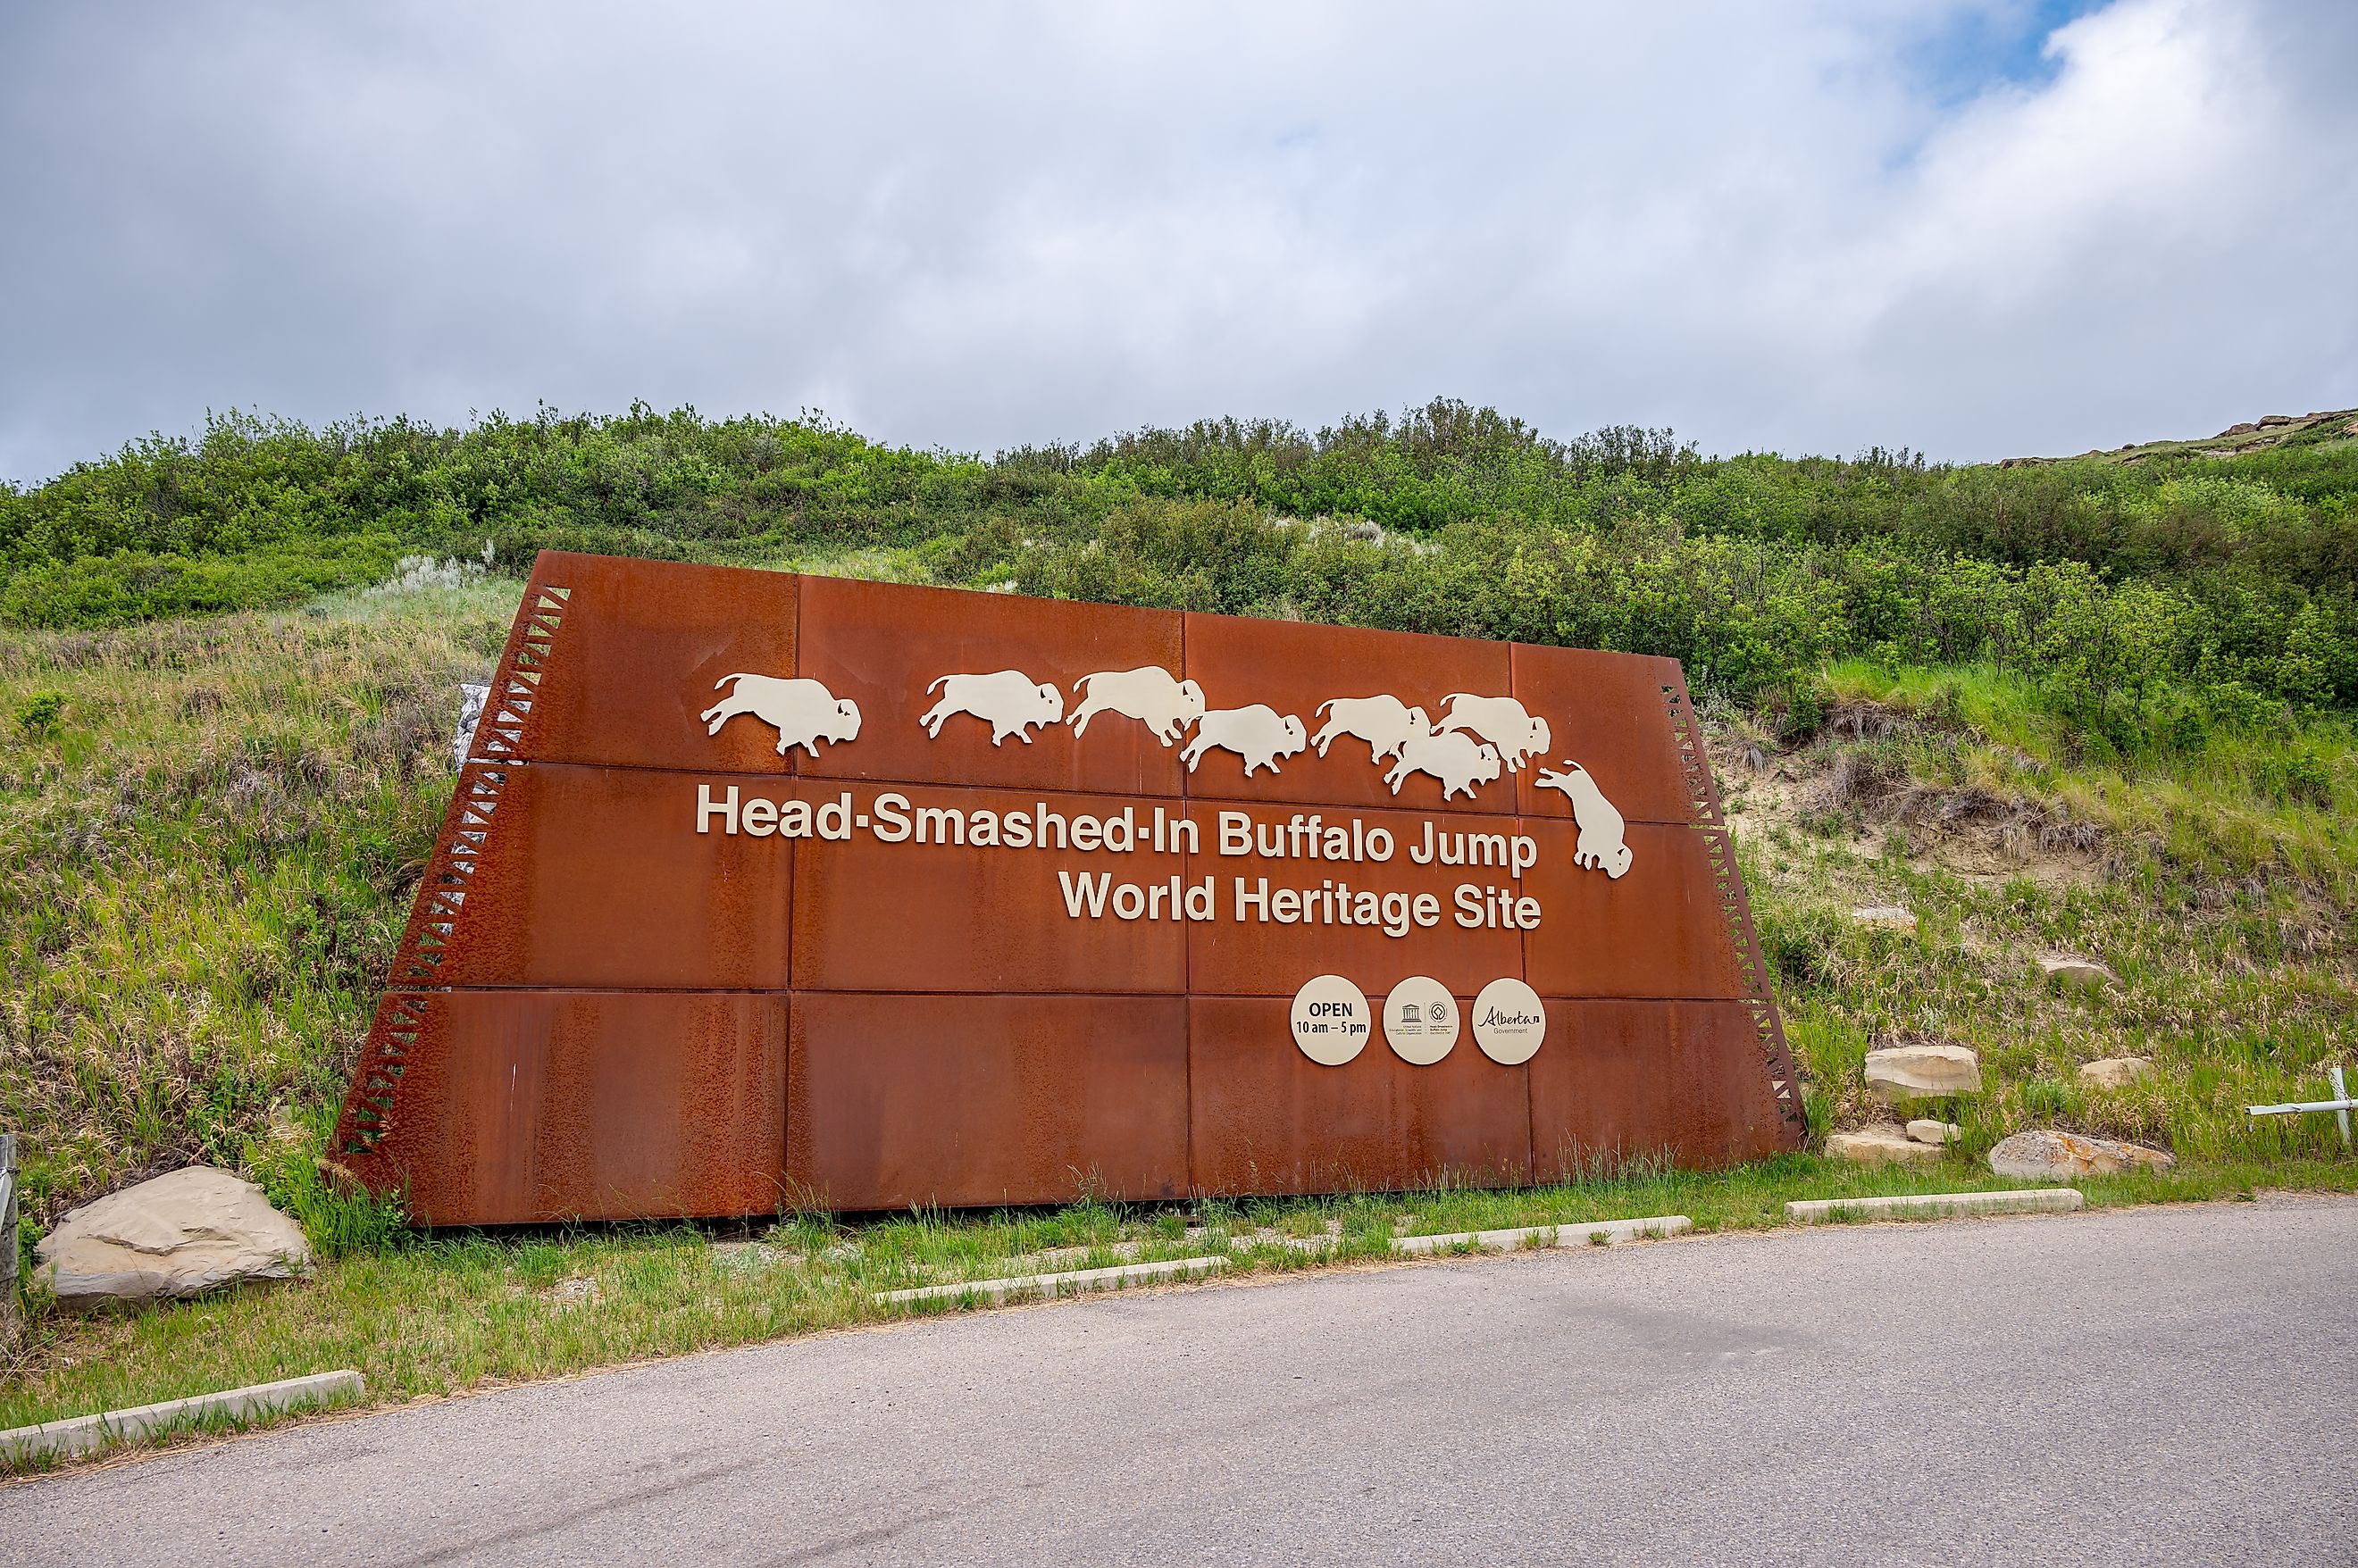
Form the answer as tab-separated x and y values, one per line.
1601	847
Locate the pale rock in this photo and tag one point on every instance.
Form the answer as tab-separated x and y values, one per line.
1922	1072
2047	1156
472	697
1889	915
1925	1130
2115	1072
176	1235
744	1257
1880	1145
573	1291
2078	972
11	1304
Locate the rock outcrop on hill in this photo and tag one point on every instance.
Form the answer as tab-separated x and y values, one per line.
2239	440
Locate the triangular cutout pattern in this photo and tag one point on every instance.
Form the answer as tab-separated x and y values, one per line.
369	1108
1719	847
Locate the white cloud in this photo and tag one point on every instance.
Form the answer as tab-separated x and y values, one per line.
1769	226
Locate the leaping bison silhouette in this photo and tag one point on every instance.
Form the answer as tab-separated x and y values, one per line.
803	712
1260	734
1149	694
1010	701
1385	723
1500	721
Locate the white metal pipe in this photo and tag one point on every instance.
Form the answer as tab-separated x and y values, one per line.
2341	1105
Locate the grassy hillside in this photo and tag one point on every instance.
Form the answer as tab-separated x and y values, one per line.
2100	706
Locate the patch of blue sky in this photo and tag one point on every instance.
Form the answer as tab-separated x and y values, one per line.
1976	49
1961	54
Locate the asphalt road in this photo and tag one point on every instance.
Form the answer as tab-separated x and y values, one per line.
2154	1386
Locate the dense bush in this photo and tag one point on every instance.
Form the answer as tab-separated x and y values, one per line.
2182	592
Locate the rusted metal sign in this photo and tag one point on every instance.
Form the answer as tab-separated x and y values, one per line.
761	890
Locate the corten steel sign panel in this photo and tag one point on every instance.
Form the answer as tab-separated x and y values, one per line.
974	1100
990	919
577	846
864	641
1668	1079
759	890
534	1104
1298	669
1275	1122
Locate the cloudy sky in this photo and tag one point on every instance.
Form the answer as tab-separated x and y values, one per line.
1974	229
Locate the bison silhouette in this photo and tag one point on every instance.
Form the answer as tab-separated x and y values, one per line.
1010	701
1601	847
803	712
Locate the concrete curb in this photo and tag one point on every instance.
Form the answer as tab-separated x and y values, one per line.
1608	1233
1065	1282
1926	1205
88	1433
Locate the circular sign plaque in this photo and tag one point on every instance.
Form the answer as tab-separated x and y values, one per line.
1508	1022
1420	1020
1330	1019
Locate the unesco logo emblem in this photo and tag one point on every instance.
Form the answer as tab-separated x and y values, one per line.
1420	1021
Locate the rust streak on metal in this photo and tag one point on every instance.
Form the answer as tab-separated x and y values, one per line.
1269	1120
585	1105
971	1100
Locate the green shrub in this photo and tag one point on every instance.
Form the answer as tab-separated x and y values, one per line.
37	716
2120	589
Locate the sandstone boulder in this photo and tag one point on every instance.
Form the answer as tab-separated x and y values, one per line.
1889	915
2052	1156
2076	972
1900	1073
177	1235
2115	1072
1880	1145
1925	1130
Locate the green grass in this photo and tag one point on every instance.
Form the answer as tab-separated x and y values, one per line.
213	847
449	1314
213	830
2222	907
